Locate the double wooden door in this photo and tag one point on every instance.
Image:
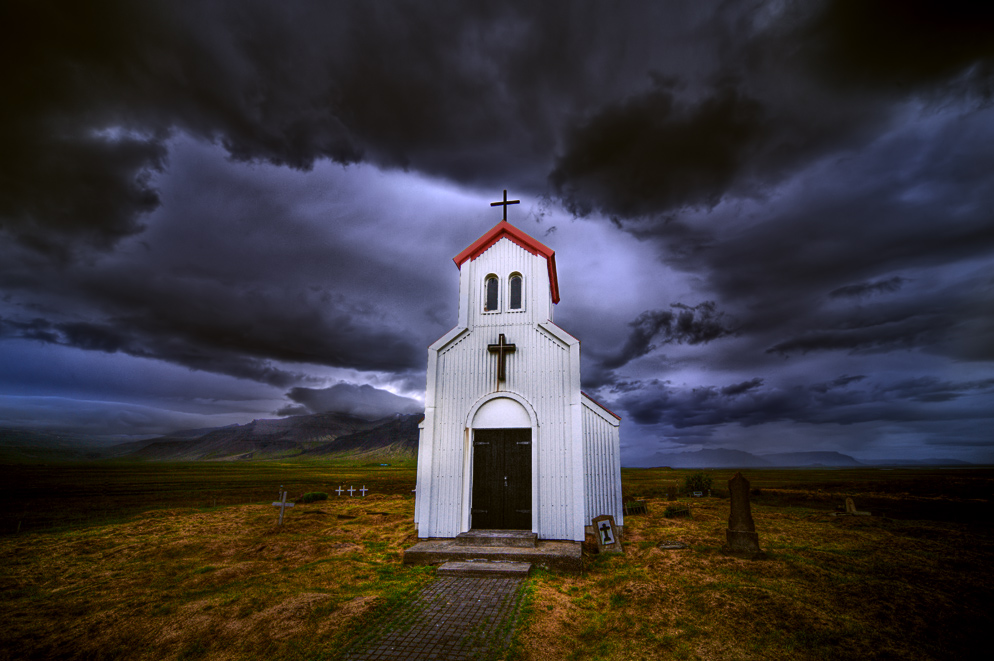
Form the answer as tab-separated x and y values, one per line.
502	479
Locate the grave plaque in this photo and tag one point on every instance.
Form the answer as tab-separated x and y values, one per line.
741	537
608	540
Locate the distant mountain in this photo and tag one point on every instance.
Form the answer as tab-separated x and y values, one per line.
398	437
917	462
792	459
725	458
318	435
718	458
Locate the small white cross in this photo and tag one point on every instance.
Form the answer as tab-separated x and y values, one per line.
363	490
350	490
339	491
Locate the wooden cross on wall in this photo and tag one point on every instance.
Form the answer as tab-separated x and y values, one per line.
504	204
502	348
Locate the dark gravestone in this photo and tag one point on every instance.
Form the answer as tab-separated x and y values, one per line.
741	537
670	493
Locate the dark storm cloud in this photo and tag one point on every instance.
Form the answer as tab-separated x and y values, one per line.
234	281
210	325
95	90
361	401
902	44
840	382
739	388
682	324
870	335
868	288
121	338
818	78
836	401
585	94
836	262
652	152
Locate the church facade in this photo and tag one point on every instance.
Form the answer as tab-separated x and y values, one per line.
508	441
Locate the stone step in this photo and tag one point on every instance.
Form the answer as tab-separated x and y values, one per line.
520	538
484	569
553	555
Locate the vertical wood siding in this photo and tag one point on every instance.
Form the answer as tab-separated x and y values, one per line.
601	456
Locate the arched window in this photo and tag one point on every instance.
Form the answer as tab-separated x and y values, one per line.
515	284
491	293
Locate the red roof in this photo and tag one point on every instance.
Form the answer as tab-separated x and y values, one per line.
505	229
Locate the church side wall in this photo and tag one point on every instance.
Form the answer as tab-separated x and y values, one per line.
602	470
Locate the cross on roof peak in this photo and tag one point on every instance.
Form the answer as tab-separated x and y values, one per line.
504	204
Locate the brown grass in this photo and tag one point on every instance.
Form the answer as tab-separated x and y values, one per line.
831	588
225	583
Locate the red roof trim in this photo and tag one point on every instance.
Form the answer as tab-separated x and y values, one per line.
600	405
499	231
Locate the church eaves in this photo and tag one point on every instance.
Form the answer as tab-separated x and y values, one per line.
532	245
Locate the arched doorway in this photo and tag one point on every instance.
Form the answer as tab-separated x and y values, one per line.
502	466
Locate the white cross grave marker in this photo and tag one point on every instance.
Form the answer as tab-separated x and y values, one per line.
350	490
282	504
605	529
363	490
339	491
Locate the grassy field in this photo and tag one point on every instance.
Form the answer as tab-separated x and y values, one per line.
136	561
58	496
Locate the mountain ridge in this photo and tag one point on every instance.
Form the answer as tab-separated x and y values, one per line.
728	458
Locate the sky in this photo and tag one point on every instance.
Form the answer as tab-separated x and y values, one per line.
774	221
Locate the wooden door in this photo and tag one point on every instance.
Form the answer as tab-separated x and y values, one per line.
502	479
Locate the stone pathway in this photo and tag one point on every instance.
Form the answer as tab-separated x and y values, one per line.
453	618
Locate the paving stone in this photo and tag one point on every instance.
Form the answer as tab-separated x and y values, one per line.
452	618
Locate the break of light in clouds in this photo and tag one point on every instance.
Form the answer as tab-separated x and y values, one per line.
774	222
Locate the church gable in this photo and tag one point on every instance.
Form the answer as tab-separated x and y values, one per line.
504	230
505	284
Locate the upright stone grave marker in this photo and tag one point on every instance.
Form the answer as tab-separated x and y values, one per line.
741	537
607	534
851	509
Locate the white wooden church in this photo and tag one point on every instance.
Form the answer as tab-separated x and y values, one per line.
508	441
